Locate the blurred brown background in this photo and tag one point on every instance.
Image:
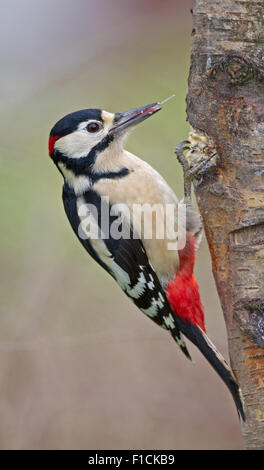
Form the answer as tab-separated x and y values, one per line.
80	366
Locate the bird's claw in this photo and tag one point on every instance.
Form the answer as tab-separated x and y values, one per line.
189	173
179	151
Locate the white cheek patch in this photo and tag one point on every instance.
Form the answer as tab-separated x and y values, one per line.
79	143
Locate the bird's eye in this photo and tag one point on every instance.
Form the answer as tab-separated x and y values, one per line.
93	127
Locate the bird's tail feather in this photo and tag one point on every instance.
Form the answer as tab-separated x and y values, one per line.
198	337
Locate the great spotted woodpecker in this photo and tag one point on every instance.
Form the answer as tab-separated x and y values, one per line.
87	148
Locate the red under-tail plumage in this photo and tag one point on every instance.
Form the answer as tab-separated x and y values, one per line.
183	291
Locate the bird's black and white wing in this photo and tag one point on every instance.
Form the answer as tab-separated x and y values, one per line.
126	261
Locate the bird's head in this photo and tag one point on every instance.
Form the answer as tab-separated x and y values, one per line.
77	138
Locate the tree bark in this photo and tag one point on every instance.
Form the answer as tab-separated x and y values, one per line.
225	106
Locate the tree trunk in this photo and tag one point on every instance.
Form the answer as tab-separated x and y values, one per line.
225	106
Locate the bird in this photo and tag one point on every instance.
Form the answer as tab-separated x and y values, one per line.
103	184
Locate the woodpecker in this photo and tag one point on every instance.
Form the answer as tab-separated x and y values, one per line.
87	146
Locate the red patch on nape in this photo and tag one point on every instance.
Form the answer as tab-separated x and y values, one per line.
183	291
52	141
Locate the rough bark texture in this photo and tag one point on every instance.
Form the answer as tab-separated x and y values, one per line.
226	101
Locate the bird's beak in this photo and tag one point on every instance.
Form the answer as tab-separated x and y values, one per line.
134	116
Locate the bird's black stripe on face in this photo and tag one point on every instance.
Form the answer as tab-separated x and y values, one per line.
82	165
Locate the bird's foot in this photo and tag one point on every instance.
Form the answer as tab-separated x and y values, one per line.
189	173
